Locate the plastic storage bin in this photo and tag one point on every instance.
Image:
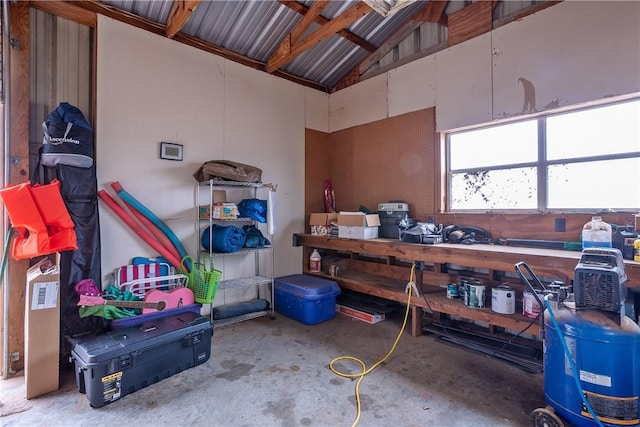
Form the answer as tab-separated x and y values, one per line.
305	298
120	362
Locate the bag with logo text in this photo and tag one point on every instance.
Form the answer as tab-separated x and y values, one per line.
68	138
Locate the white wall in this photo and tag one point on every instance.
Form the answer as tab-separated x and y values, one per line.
152	89
568	51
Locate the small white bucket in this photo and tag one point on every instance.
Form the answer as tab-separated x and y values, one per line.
503	299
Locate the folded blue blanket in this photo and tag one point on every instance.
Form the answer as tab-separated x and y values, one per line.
226	239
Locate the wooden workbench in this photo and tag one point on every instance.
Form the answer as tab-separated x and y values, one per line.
382	267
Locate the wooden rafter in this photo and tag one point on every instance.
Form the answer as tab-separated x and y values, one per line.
314	11
346	34
67	11
289	50
307	19
179	14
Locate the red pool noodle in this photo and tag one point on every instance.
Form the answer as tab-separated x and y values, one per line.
150	226
118	210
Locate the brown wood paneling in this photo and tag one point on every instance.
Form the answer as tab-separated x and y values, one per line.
317	158
391	159
469	22
531	226
341	168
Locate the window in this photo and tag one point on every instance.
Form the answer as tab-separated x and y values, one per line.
582	160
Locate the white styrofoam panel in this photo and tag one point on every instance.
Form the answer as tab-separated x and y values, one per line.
152	89
361	103
569	54
316	105
412	87
265	127
463	78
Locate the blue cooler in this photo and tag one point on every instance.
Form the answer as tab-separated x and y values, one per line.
305	298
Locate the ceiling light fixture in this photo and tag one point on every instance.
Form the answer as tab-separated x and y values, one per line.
387	7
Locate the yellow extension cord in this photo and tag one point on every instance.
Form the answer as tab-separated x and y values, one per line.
365	371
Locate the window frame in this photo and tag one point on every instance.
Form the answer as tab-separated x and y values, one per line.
541	164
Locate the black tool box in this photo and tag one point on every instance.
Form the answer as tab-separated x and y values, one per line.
122	361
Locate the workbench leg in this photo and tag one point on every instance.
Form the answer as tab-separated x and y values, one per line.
416	321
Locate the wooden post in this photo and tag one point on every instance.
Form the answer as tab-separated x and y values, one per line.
18	104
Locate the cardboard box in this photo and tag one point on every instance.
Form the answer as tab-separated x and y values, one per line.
219	196
372	318
358	225
42	327
219	211
321	223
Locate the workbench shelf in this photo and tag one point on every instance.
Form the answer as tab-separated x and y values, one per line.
381	267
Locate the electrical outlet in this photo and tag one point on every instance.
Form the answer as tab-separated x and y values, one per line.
15	356
561	225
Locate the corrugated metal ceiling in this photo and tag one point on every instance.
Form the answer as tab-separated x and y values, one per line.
255	29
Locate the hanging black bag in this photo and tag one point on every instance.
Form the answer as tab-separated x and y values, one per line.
68	138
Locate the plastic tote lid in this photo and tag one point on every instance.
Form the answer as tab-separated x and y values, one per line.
306	286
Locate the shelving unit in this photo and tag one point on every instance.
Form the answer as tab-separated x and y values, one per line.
260	274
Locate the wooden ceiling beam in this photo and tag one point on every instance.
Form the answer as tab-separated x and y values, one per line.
67	11
179	15
284	48
346	34
119	15
309	18
347	18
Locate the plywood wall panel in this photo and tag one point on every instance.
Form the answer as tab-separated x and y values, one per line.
317	165
341	168
391	159
469	22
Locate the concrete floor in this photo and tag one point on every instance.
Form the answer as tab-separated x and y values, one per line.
266	372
